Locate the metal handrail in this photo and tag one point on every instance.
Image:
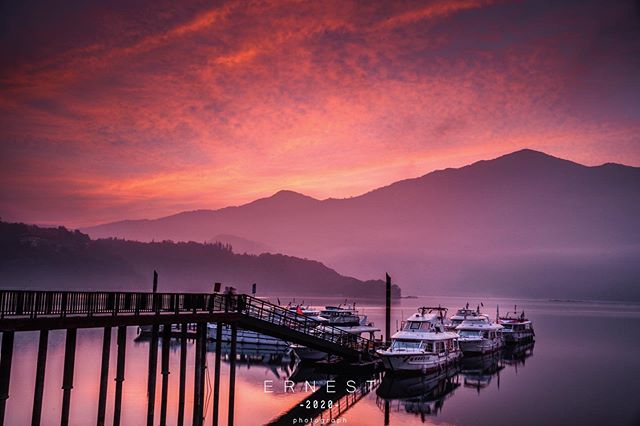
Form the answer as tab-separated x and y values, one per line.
33	304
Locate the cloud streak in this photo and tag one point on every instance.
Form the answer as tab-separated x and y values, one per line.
159	108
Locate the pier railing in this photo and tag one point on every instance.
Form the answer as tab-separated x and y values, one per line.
61	304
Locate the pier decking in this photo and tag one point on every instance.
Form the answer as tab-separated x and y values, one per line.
69	310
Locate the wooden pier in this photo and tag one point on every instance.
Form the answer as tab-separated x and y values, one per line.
66	310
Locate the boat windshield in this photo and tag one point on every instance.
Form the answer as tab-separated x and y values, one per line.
406	344
470	333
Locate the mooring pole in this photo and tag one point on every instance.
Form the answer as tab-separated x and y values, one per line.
153	367
36	414
216	375
122	345
386	412
198	380
166	336
5	370
183	373
232	371
67	379
388	312
104	375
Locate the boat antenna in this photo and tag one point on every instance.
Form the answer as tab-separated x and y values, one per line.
497	313
467	307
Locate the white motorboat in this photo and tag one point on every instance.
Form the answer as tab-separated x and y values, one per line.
478	335
422	345
243	336
461	315
517	328
341	316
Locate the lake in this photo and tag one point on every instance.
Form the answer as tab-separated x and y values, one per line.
583	369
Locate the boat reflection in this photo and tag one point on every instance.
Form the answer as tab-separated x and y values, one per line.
516	355
422	395
477	372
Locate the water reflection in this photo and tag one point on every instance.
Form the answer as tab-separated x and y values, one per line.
425	395
422	395
478	371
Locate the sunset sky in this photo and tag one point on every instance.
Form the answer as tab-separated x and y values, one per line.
139	109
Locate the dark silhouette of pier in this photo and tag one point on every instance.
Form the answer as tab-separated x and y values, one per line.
69	310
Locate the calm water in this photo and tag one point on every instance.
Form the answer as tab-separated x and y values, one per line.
583	369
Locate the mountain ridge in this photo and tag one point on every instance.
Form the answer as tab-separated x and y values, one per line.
524	209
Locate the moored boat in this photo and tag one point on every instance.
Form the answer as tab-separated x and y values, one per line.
462	314
422	345
478	335
517	328
341	316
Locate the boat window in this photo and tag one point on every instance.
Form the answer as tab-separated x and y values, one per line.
439	346
428	346
414	325
406	344
469	333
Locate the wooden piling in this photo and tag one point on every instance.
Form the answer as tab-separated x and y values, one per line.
183	373
5	370
67	378
232	372
38	392
198	380
104	376
166	336
388	312
153	367
122	345
216	375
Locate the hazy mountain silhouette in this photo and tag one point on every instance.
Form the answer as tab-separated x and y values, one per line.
522	224
242	245
56	258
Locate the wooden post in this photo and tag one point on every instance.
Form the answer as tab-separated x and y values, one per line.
36	414
104	375
5	370
151	379
198	380
166	336
216	375
388	312
155	281
183	373
67	379
122	345
232	372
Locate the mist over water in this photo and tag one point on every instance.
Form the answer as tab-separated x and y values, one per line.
583	369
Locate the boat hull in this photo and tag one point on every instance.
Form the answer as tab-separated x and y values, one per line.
417	362
518	336
244	337
479	346
308	354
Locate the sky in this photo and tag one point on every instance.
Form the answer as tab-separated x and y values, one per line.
143	108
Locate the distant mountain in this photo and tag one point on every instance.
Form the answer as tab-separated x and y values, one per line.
56	258
525	224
